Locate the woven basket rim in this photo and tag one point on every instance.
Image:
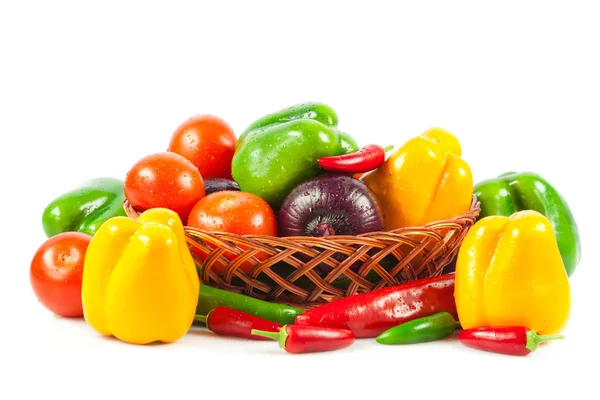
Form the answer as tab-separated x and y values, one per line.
473	212
418	251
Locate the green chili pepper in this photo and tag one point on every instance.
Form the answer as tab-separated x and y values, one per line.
211	297
512	192
426	329
85	208
280	151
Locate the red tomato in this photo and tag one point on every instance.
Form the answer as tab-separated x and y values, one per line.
208	142
234	212
56	270
164	180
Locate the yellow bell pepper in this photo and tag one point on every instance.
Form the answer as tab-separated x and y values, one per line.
509	272
425	180
139	279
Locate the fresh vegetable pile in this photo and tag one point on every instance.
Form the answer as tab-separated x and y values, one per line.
294	173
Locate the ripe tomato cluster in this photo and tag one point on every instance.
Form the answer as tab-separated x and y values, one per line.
200	149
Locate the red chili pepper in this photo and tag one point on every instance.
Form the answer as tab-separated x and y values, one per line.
370	314
229	322
513	340
366	159
309	339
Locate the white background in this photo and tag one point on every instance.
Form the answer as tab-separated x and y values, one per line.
87	90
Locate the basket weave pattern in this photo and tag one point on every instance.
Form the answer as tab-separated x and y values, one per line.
318	269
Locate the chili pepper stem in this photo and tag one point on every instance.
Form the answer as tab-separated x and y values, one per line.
200	318
280	336
388	148
534	340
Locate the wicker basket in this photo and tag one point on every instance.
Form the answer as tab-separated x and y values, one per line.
307	271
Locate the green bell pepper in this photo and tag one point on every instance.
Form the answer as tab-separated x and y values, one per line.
317	111
280	151
512	192
85	208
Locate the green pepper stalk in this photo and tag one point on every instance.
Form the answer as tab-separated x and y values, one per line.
426	329
511	340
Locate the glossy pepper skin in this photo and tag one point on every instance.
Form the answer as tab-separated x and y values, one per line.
309	339
139	279
211	298
425	329
311	110
511	340
509	272
85	208
366	159
370	314
229	322
424	180
275	158
517	191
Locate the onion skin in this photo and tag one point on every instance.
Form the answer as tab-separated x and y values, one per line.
330	205
212	185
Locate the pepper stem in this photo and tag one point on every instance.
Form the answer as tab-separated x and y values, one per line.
203	318
200	318
280	336
388	148
534	340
